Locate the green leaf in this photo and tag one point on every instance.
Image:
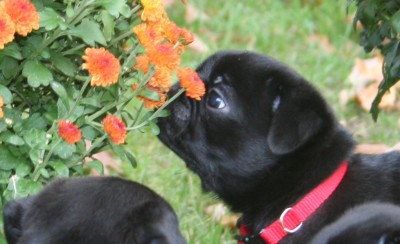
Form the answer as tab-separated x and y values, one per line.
65	65
155	130
44	173
395	22
35	139
109	25
6	94
12	50
49	19
59	90
23	169
64	150
90	32
131	159
60	168
9	67
7	160
22	187
35	121
89	133
62	110
97	165
115	7
12	139
37	74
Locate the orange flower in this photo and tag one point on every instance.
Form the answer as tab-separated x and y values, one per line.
115	128
69	132
148	34
23	14
153	11
171	31
7	28
150	103
164	55
1	107
191	81
142	63
162	79
187	36
102	66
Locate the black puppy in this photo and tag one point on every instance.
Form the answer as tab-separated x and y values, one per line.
92	210
262	138
371	223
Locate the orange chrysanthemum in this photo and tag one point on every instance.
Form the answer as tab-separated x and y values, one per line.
161	79
103	66
115	128
153	11
7	28
187	36
171	31
142	63
69	132
23	14
148	34
164	55
191	81
150	103
1	107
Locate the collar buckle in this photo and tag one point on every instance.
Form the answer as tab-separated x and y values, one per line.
282	221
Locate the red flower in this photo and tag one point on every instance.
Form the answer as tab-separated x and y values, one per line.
69	132
103	66
115	128
191	81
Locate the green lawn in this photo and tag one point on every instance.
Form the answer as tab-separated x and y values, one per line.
315	39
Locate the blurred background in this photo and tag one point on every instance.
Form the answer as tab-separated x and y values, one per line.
316	38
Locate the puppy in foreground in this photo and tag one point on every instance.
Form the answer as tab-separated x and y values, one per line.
267	143
370	223
92	210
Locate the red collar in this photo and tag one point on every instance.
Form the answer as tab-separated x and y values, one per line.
292	218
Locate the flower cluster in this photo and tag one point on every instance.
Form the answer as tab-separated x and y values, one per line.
163	41
17	16
88	73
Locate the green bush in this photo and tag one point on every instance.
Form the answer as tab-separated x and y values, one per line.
380	29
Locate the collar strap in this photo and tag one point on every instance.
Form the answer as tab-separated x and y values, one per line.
291	219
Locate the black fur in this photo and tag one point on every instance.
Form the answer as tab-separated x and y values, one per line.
372	223
274	140
92	210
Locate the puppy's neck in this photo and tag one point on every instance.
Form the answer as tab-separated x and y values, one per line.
292	178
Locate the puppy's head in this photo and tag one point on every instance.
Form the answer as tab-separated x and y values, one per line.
256	111
92	210
369	223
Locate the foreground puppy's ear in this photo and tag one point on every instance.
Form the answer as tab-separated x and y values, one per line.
291	127
13	213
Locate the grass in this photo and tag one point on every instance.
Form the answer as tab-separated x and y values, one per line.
315	39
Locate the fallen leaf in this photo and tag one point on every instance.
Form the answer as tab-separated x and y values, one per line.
219	213
365	78
366	96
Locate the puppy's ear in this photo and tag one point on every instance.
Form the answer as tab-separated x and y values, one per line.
13	213
293	124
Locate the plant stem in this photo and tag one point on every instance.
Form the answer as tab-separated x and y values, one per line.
158	111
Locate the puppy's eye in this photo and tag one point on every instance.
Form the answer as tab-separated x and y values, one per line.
214	100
